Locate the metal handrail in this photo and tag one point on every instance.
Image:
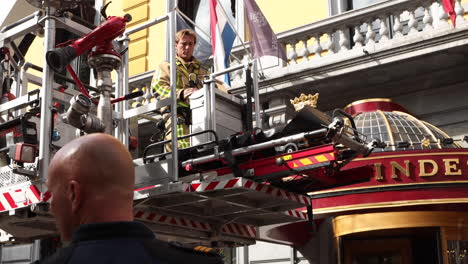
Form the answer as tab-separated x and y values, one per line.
171	17
148	24
216	142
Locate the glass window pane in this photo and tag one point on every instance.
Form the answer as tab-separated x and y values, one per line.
363	3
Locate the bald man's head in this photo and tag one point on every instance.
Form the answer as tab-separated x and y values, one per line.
91	179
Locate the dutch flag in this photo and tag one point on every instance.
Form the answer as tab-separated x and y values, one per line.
222	38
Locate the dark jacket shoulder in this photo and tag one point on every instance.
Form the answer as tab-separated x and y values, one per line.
156	250
174	253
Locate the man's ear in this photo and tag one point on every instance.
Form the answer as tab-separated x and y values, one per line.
74	193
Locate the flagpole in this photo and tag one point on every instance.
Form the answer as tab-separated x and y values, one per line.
201	30
256	92
235	31
254	72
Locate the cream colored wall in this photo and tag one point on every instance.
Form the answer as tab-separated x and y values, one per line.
284	15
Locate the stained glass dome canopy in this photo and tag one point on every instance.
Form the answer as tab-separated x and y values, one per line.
387	121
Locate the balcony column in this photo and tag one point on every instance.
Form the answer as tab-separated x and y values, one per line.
148	94
358	38
443	17
318	47
330	46
384	32
397	26
140	100
370	35
427	19
292	54
344	39
412	23
460	11
305	50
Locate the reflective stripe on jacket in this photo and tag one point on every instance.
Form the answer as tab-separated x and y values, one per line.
161	80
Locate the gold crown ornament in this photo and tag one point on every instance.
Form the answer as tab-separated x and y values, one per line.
425	142
303	100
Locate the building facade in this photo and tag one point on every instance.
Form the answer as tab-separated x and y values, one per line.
407	51
412	209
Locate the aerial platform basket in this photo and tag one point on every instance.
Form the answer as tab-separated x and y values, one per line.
219	210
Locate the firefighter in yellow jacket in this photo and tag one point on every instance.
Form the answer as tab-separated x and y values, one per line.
189	79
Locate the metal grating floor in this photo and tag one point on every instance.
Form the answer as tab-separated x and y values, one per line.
239	203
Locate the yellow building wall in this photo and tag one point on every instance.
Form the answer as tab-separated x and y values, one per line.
284	15
147	47
36	56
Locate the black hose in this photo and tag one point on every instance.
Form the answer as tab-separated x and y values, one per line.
351	119
79	20
249	94
32	66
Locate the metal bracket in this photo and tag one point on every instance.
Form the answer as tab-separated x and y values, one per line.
216	234
31	98
31	174
42	208
310	217
22	27
146	108
68	24
34	98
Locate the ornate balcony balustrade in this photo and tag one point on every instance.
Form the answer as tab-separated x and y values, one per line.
353	35
407	50
142	82
344	41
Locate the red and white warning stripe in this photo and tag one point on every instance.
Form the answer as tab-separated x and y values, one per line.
214	185
277	192
230	229
238	229
249	184
18	197
297	214
169	220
